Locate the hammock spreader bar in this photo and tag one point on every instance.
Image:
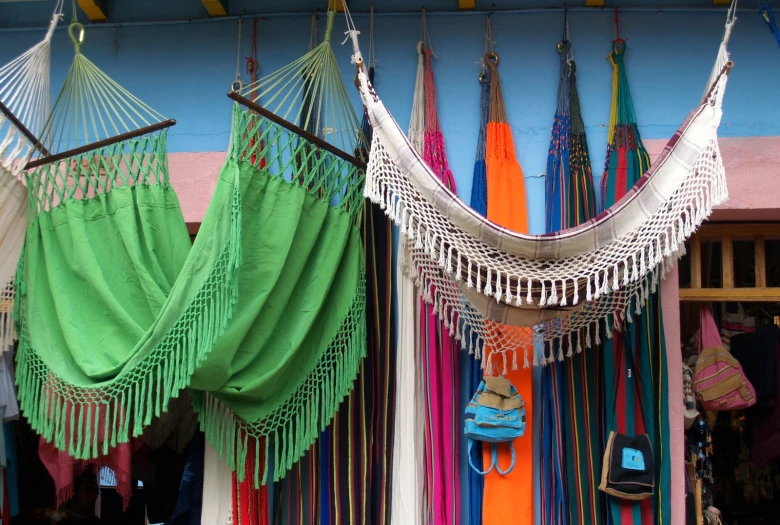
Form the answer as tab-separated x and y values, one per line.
253	106
26	132
100	144
92	111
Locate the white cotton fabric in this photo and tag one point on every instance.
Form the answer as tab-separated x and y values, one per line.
217	506
582	280
409	430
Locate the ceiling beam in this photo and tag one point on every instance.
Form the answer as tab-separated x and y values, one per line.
467	4
94	9
216	7
336	5
594	3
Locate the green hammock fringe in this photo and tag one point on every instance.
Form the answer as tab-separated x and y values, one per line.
71	415
88	421
292	429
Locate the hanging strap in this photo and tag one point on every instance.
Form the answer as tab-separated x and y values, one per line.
637	385
493	459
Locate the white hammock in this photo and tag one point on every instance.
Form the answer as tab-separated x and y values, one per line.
25	100
486	280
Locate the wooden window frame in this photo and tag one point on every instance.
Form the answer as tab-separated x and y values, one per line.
726	234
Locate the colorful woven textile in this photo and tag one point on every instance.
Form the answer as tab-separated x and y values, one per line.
476	482
587	273
644	339
507	498
571	396
271	333
440	354
346	477
626	160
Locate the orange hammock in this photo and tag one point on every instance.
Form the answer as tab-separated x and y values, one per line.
508	499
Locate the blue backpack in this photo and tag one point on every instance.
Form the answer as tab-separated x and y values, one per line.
496	414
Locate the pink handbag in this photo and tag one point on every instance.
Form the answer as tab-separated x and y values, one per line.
719	381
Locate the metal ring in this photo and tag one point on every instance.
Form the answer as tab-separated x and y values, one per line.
491	58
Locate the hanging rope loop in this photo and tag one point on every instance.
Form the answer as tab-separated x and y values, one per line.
491	59
251	60
77	39
619	44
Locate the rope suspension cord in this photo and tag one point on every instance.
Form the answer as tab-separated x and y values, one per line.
308	98
365	125
25	104
92	110
238	83
25	98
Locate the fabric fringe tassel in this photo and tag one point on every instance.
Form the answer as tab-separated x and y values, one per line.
85	423
312	407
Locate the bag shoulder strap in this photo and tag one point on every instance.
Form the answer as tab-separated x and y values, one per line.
619	371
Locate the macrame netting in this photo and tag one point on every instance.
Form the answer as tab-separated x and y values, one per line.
584	277
262	318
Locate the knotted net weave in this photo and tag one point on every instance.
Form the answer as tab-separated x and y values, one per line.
485	280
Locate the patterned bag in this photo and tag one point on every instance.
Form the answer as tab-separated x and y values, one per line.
496	414
719	381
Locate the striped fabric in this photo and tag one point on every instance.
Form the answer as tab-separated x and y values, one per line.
346	476
572	399
641	348
440	355
644	198
476	482
639	351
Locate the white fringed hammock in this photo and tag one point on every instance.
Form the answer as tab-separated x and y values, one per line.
25	104
487	282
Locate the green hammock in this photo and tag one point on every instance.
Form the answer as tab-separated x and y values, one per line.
263	318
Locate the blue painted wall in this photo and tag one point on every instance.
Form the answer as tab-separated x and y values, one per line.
184	70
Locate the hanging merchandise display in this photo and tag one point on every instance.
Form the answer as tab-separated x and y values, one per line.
356	451
250	504
25	102
641	406
408	478
66	185
495	414
268	335
627	159
507	498
344	477
571	394
719	381
585	276
438	346
476	482
628	466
